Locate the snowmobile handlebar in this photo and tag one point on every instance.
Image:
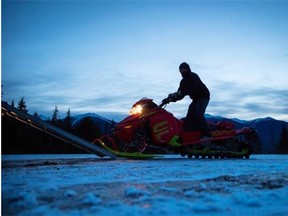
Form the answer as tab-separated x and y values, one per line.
164	102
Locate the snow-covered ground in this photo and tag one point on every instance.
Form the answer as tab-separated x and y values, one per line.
87	185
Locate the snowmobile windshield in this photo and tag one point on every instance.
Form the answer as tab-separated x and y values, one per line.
142	106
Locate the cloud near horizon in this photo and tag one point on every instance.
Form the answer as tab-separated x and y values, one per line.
246	102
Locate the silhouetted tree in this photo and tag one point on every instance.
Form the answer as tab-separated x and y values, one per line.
283	142
55	116
67	121
36	115
22	105
12	103
87	129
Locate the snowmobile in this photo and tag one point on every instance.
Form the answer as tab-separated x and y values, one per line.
151	131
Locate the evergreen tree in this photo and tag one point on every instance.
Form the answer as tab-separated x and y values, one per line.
67	121
87	129
113	124
283	142
55	116
12	103
36	115
22	105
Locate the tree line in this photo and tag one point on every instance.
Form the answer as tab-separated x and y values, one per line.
282	147
21	139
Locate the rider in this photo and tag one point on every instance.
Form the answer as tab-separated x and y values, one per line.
192	85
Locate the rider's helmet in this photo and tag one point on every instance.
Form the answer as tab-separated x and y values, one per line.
184	65
184	69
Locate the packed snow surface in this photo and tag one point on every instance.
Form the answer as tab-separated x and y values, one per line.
172	185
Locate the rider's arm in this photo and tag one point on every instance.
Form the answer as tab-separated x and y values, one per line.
175	96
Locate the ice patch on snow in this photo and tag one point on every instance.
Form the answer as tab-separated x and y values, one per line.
246	199
91	199
133	192
70	193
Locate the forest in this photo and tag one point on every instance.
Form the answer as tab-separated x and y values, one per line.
18	138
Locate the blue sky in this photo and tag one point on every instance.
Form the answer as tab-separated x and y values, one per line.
102	56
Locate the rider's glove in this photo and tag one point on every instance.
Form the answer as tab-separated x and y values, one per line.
166	100
174	96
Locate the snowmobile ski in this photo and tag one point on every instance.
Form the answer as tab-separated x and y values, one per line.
128	155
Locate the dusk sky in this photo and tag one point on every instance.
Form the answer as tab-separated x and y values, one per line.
103	56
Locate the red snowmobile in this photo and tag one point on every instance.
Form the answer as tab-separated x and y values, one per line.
150	131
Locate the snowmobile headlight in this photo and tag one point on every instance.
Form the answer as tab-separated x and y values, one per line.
136	110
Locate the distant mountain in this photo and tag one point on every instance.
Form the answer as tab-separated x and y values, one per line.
268	130
104	124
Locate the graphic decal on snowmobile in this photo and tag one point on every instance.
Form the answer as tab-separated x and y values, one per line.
160	129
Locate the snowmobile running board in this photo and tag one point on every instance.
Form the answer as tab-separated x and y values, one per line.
54	131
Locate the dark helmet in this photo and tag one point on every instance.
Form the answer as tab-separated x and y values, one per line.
184	65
